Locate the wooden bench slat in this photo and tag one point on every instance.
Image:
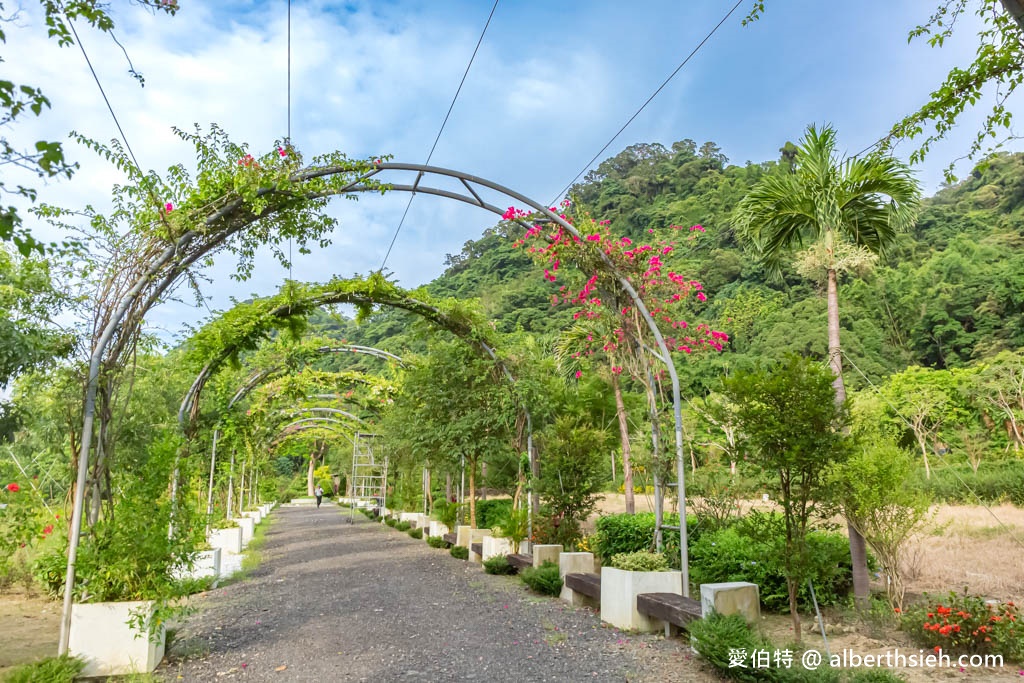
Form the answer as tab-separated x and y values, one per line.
450	538
585	583
477	548
520	561
670	607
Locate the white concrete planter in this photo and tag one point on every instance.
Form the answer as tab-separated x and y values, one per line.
255	515
546	552
248	526
735	597
619	589
438	529
494	546
228	540
207	564
265	509
575	563
100	635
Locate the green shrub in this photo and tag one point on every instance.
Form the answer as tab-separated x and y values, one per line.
617	534
717	636
491	513
995	482
460	552
544	579
498	565
642	561
416	533
436	542
403	526
742	553
965	624
446	512
390	521
61	669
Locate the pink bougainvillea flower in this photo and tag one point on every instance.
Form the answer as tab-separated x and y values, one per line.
701	296
594	238
282	151
13	487
168	207
579	373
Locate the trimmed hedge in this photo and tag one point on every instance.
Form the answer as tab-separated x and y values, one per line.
623	533
416	533
436	542
544	579
460	552
499	565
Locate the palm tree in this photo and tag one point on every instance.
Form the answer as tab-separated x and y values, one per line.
848	211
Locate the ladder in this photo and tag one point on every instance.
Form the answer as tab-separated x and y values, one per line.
368	481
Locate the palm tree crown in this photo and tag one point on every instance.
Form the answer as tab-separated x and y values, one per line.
864	201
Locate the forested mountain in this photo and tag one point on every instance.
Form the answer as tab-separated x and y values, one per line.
950	293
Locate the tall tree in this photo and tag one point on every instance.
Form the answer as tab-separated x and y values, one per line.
850	210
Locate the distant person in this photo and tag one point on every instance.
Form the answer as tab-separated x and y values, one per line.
319	491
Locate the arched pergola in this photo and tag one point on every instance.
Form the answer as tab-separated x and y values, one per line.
234	213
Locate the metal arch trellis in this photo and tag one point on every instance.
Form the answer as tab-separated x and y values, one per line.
168	266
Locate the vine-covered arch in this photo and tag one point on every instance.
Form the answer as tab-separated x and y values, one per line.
282	200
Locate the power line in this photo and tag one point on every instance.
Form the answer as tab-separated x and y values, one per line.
441	130
649	99
288	139
110	108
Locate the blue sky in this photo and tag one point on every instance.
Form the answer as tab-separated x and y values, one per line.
551	84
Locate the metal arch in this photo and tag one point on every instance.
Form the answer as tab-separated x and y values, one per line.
368	350
162	281
333	411
304	428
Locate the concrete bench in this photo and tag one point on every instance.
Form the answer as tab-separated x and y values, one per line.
587	584
450	538
520	561
671	608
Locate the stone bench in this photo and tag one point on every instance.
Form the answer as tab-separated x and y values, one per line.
671	608
451	538
520	561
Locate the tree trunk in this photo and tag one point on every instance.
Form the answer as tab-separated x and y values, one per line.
472	493
858	547
791	585
309	473
627	466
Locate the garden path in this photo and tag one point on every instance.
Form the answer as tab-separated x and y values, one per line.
341	602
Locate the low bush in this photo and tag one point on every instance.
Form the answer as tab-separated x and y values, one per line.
745	553
617	534
642	561
390	521
460	552
416	533
403	526
499	565
436	542
719	638
965	624
544	579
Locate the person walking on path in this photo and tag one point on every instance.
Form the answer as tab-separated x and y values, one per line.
319	491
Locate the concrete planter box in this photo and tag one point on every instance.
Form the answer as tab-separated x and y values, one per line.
462	535
207	564
493	546
735	597
100	635
248	526
255	515
422	521
408	517
546	553
228	540
575	563
619	589
477	536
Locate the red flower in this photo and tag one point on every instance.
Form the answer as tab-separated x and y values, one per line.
13	487
47	530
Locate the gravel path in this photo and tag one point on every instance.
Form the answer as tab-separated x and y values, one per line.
338	602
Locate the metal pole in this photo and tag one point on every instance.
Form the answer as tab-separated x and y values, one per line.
209	492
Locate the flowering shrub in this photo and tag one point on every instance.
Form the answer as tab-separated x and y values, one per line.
966	624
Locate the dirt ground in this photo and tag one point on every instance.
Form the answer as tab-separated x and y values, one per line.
965	547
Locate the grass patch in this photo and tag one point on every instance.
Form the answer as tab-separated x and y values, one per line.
61	669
